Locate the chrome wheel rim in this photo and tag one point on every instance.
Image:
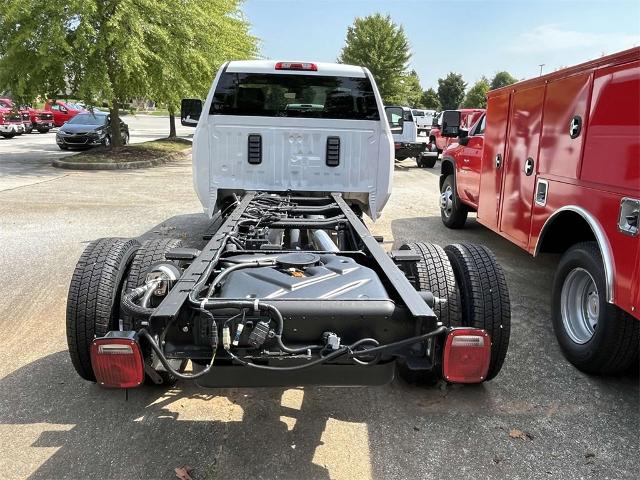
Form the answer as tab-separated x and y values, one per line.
580	305
446	201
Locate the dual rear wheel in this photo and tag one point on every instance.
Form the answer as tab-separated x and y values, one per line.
473	292
107	268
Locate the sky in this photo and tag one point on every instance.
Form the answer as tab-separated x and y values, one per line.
471	37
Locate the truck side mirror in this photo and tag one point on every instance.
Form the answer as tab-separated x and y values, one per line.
450	123
395	119
190	110
463	137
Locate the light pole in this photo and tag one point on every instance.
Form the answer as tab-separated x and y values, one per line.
541	65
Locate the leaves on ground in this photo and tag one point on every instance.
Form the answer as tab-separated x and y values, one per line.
516	433
184	472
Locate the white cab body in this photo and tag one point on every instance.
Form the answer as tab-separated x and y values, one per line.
293	148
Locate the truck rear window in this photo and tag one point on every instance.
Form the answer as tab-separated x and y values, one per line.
306	96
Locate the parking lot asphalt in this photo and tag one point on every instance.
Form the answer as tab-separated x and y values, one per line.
25	159
540	418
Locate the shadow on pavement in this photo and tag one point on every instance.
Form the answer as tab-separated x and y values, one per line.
226	433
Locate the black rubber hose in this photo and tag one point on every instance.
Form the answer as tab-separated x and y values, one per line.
128	302
165	362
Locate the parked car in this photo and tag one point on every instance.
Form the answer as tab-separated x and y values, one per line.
407	143
89	130
62	111
291	288
423	119
468	116
554	166
11	123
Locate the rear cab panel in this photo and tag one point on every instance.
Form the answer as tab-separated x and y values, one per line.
294	114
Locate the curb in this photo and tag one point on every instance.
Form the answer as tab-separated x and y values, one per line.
120	165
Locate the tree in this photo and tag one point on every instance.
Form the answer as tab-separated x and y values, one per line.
413	90
382	46
502	79
117	49
451	91
430	99
477	95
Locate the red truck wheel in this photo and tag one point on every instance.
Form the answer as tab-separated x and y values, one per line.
94	297
595	336
484	297
452	211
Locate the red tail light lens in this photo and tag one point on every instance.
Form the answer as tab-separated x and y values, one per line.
117	360
467	354
312	67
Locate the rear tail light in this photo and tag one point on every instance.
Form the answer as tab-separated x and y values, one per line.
467	354
312	67
117	360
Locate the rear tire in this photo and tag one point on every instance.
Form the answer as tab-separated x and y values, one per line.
452	211
595	336
93	303
484	297
427	162
150	253
43	130
432	273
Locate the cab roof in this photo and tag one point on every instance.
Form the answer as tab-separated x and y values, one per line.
269	66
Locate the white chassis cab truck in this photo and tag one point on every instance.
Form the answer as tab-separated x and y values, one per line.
290	287
407	142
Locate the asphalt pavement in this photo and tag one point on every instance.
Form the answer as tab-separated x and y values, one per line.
26	159
539	418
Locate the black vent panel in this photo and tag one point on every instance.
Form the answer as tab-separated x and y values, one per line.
254	149
333	151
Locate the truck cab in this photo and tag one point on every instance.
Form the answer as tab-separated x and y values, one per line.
62	111
407	142
423	119
468	116
553	167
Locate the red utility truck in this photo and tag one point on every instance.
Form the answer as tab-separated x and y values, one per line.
554	167
468	117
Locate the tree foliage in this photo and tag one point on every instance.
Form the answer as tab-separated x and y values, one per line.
430	99
116	50
451	91
502	79
476	97
413	90
382	46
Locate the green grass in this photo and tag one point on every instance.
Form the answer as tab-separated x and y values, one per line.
131	153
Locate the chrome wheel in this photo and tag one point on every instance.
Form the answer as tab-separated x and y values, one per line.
580	305
446	201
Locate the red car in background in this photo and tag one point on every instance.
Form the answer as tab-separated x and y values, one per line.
554	167
32	118
468	116
62	111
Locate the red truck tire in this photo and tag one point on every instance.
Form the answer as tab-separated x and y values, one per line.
452	211
596	336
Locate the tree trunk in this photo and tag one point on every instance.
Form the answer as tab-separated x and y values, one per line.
172	122
116	138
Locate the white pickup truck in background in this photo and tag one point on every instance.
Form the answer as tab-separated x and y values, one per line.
423	119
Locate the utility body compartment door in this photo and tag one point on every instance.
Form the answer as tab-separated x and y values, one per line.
493	160
521	163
